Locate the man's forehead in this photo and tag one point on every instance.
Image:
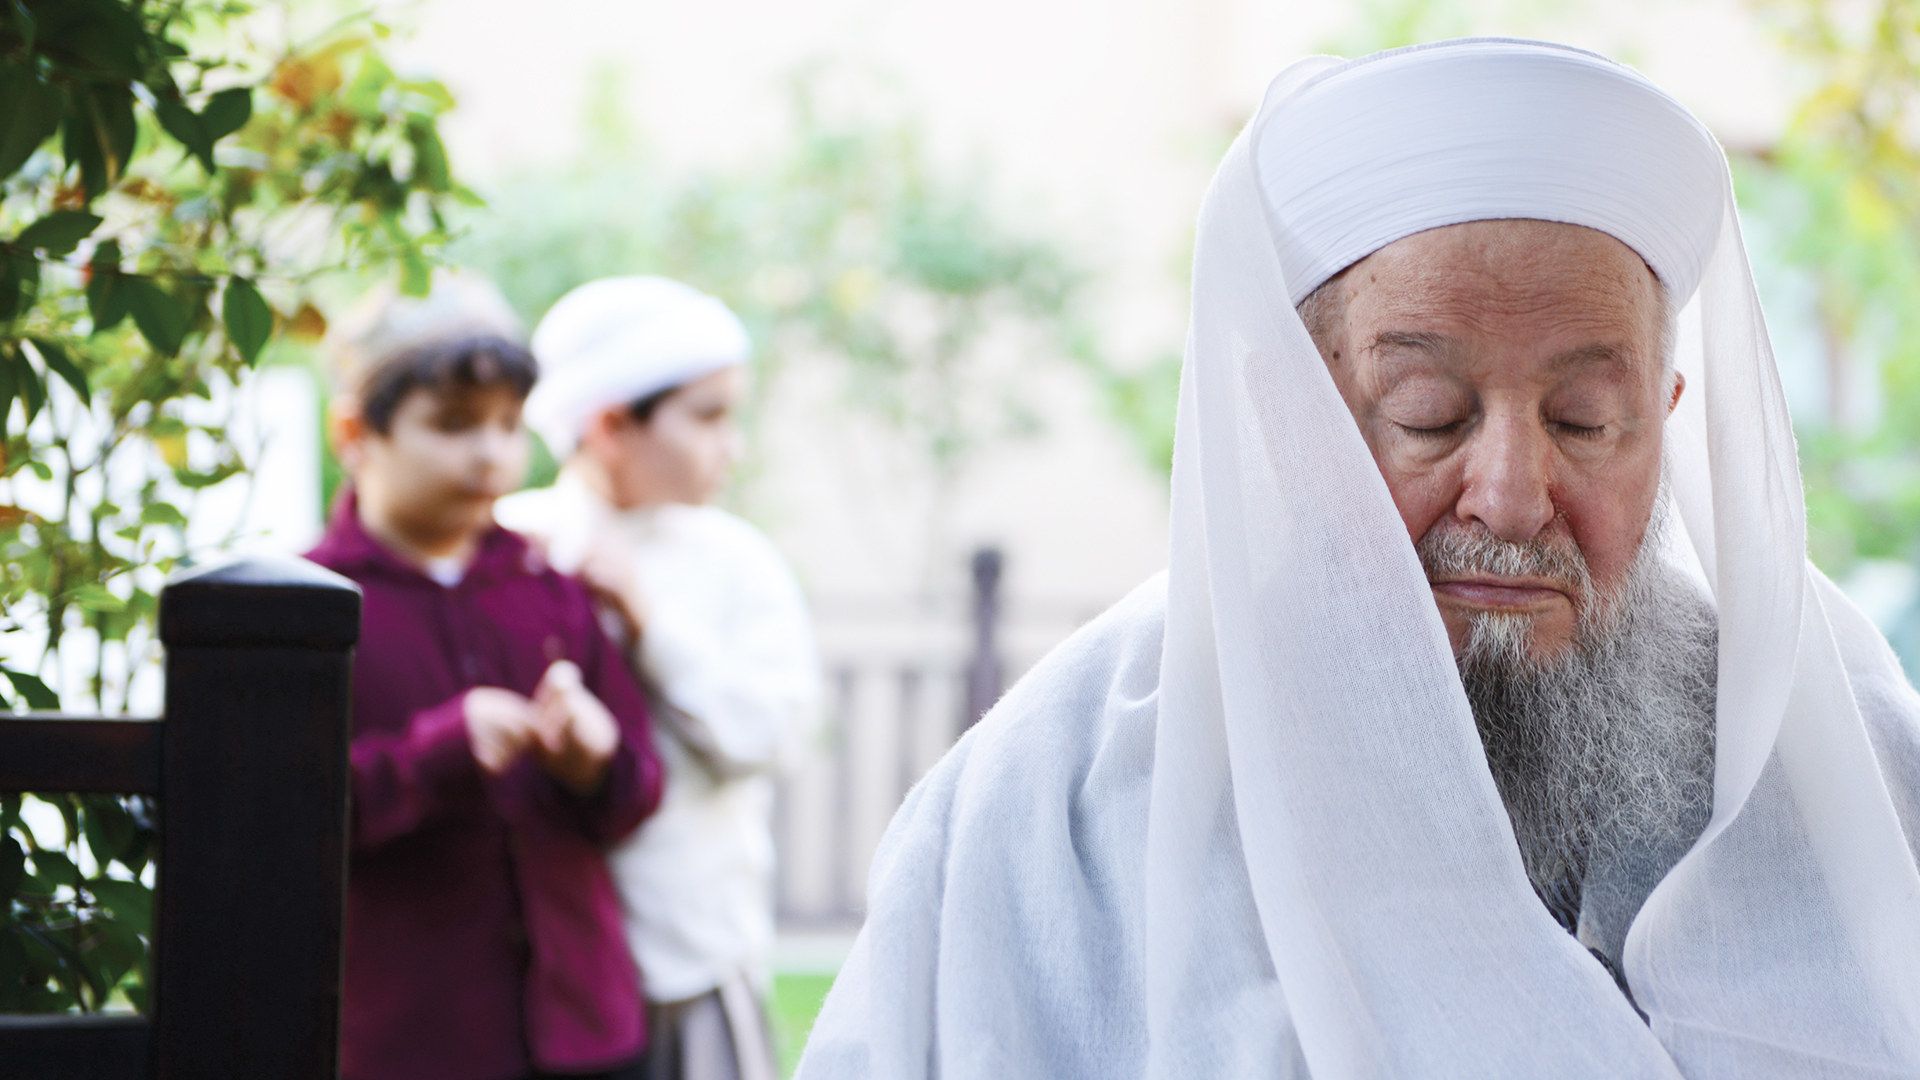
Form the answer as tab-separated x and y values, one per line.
1542	275
1509	255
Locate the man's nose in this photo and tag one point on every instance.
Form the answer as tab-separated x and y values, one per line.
1507	477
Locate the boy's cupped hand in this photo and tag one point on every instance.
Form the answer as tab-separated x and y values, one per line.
569	732
576	734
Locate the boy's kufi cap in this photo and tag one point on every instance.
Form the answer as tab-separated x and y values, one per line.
619	340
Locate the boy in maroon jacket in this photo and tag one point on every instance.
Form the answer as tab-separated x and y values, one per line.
499	742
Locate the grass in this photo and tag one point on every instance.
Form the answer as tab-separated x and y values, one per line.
796	1001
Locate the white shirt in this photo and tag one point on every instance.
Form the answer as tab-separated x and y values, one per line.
728	652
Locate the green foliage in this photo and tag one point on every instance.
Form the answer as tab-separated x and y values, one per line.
1842	188
846	248
73	937
165	213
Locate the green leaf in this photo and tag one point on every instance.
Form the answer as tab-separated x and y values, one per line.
33	393
58	233
227	112
430	169
54	355
116	950
7	392
160	513
248	319
363	97
54	954
162	319
106	296
54	868
101	39
96	598
416	274
19	275
466	196
13	867
185	126
107	826
32	114
13	968
38	694
188	478
130	901
433	91
99	133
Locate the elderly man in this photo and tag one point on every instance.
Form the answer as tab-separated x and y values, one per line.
1489	721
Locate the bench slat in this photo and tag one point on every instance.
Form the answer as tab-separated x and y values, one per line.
74	1047
88	754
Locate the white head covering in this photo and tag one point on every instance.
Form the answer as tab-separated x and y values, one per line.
1307	672
617	340
1331	883
1466	147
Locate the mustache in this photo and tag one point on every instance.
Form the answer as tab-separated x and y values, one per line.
1453	550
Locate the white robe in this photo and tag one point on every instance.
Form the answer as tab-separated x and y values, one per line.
729	648
1010	890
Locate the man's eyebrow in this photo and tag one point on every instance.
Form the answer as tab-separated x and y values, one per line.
1605	354
1393	340
1439	346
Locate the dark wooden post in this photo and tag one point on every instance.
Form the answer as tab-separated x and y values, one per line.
253	844
985	676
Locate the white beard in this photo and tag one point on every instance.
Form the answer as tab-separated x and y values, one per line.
1603	754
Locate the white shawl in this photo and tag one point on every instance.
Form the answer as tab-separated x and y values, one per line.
1243	826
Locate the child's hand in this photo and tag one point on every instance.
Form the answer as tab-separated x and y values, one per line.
577	735
501	725
607	572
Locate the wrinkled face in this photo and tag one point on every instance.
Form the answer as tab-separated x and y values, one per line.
1508	378
679	454
446	456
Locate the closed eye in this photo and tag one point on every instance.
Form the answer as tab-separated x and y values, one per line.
1443	431
1580	431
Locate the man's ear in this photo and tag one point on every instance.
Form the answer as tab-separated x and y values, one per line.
1679	385
348	430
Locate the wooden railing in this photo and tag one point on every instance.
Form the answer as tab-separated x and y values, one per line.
249	767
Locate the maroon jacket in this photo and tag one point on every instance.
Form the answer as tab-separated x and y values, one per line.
483	930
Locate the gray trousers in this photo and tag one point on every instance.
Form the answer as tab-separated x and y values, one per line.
720	1035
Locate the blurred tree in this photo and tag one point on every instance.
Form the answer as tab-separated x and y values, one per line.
167	200
1842	190
846	248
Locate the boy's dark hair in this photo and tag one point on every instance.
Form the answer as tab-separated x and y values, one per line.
452	364
642	410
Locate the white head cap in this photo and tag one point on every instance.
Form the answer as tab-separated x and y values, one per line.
1352	156
618	340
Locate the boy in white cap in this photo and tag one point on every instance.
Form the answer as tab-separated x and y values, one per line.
640	378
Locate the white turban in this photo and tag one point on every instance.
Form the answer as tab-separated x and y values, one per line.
1243	824
617	340
1448	141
